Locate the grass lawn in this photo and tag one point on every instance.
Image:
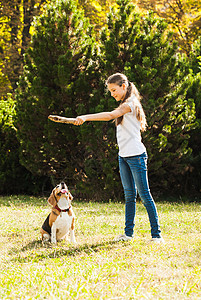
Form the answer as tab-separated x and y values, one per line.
98	268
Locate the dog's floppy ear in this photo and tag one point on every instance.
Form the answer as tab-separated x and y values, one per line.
52	200
70	196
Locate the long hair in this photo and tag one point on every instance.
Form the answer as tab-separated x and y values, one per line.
119	79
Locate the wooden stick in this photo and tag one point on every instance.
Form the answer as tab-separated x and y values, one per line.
59	119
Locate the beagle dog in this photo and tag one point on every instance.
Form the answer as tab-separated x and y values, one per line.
60	222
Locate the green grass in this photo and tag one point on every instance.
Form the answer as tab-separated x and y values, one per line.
98	268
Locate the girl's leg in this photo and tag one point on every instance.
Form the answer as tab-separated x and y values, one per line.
138	166
130	196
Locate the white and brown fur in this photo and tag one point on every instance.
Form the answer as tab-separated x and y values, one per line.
61	221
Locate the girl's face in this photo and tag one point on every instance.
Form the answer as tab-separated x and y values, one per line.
118	92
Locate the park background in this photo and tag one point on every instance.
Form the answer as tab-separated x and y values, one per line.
54	59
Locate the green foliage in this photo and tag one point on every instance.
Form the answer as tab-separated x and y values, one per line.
58	75
194	92
14	178
16	17
64	74
183	17
96	11
142	48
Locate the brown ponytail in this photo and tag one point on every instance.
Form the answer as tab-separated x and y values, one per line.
119	79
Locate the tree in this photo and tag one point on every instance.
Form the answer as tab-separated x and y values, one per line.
142	48
193	174
96	11
64	74
58	74
183	17
16	17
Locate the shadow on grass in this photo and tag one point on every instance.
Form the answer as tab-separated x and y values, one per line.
49	251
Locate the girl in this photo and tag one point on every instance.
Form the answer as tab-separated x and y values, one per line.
130	120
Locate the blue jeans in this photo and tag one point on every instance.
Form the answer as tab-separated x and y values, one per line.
133	173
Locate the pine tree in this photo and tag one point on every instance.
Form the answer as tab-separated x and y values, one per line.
143	49
55	81
193	174
64	74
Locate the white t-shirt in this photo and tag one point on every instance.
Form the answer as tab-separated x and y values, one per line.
128	132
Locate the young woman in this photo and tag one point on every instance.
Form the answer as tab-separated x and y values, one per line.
130	120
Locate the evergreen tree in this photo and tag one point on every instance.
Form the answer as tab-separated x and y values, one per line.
143	49
64	75
100	175
56	79
193	183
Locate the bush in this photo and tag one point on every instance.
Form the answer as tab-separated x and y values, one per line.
14	178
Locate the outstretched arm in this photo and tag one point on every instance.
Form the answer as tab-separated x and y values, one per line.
103	116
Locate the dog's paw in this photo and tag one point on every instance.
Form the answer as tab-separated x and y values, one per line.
54	241
46	238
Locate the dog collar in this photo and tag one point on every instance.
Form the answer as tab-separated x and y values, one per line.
62	210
